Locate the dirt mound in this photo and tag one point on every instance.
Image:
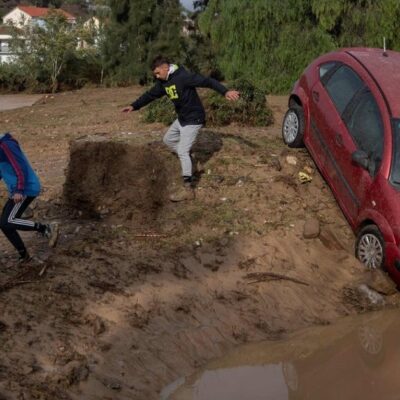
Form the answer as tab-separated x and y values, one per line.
116	178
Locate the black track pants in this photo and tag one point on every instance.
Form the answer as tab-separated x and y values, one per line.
10	222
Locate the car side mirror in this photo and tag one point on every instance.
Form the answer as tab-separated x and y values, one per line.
361	158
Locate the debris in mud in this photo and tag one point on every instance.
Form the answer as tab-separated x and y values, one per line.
271	276
374	297
362	298
311	229
291	160
304	177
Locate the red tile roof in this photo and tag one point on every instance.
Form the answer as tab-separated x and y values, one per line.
42	11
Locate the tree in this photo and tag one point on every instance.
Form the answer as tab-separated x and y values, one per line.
200	5
256	40
44	50
273	41
136	31
47	3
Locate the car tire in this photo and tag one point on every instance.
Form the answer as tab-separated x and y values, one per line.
370	247
293	126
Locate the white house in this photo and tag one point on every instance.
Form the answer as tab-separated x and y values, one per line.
24	15
5	38
20	16
93	27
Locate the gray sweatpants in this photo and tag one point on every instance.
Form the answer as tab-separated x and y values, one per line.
180	140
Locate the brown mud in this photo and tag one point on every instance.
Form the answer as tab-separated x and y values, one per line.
141	291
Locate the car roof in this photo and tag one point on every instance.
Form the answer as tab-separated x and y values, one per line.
385	69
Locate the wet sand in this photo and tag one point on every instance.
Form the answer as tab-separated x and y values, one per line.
13	101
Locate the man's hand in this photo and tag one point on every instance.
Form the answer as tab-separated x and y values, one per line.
127	109
17	197
232	95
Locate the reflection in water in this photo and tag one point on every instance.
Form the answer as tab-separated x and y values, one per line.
355	358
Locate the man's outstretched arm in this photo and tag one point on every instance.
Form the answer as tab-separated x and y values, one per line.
197	80
154	93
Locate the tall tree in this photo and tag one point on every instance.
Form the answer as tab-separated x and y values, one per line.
136	32
273	40
44	50
265	41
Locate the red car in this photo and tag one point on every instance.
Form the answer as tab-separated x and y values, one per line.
345	109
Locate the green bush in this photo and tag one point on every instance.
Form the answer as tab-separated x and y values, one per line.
161	110
13	78
250	110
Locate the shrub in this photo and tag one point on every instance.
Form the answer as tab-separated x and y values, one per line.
13	78
251	109
160	110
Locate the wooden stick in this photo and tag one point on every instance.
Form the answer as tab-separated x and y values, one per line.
271	276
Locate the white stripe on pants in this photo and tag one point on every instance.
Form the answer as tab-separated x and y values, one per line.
180	140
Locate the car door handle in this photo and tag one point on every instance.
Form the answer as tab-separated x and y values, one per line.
339	139
315	96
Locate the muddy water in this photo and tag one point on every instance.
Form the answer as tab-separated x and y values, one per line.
12	101
357	358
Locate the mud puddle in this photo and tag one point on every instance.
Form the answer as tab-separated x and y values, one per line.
357	357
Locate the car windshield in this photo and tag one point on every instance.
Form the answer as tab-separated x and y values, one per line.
395	173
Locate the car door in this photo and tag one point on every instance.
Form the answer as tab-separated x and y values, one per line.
320	123
363	131
337	86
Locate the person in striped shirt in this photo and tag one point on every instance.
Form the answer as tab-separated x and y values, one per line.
23	187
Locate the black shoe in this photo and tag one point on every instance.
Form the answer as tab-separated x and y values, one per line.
25	259
51	233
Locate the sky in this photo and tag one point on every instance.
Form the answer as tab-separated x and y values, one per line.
188	4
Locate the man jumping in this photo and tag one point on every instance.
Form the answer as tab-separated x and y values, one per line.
180	86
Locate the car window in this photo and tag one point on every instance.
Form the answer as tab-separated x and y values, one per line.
325	68
395	173
364	123
342	86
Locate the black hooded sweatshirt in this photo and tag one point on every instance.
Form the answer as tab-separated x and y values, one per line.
180	87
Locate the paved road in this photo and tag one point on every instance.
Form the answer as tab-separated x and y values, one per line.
11	101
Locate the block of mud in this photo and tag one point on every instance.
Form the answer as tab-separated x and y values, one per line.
311	229
116	178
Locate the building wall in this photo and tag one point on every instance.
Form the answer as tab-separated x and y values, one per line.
17	17
5	53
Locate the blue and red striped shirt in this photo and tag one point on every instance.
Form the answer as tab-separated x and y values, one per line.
15	168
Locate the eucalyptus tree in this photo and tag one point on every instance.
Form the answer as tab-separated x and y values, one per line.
138	30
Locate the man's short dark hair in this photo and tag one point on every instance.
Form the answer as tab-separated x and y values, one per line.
158	61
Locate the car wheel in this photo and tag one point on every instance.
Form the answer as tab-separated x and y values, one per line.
293	126
370	247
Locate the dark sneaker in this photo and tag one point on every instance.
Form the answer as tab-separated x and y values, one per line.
51	233
23	260
185	192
